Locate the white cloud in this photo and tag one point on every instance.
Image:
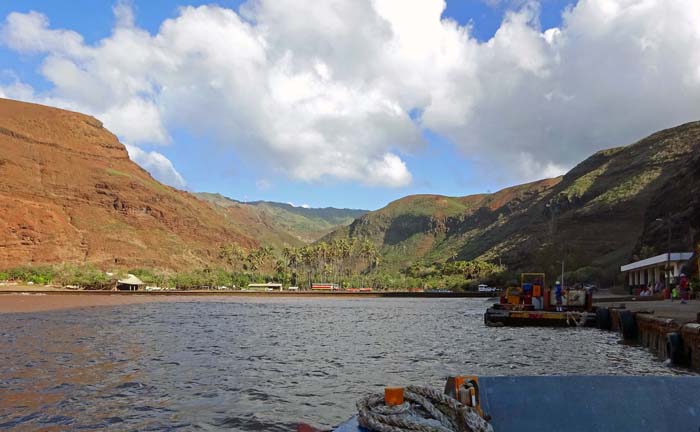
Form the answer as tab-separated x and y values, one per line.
325	92
158	165
302	206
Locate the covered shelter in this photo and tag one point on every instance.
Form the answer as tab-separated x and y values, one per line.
651	271
131	283
264	287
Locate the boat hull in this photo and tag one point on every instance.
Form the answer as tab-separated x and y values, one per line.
587	403
514	318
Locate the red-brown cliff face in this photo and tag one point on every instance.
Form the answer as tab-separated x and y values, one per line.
70	193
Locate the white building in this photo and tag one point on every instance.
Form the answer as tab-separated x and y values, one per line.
652	270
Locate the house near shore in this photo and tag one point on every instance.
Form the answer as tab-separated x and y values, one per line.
652	270
131	283
264	287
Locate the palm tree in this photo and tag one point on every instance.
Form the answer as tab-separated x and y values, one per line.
368	252
233	256
307	255
292	257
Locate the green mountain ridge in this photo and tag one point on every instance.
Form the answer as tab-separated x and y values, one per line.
288	225
601	214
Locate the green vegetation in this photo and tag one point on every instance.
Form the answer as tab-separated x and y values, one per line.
37	275
348	263
85	276
457	275
628	188
116	173
582	184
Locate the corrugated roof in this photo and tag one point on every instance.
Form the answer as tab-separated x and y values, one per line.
659	259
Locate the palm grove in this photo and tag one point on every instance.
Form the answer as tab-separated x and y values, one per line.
344	262
348	263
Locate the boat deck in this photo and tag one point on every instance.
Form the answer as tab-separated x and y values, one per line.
587	403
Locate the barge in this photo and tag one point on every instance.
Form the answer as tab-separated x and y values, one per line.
532	304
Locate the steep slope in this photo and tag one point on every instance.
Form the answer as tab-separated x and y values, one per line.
70	193
289	224
594	217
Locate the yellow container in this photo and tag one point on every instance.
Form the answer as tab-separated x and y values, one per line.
513	299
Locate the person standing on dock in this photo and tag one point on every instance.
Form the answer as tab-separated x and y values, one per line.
658	287
684	289
558	294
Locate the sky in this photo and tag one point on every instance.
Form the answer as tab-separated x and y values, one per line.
355	103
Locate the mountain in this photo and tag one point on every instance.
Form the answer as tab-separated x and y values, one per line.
70	193
304	225
601	214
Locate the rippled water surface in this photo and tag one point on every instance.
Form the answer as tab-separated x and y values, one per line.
266	364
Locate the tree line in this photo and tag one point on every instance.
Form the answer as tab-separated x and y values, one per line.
346	262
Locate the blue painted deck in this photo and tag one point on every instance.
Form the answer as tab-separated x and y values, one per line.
587	403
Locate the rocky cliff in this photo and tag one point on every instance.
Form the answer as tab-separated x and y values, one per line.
70	193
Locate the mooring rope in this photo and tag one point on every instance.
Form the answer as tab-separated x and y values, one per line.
425	410
579	318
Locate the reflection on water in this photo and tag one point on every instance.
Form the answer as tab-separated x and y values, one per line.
266	364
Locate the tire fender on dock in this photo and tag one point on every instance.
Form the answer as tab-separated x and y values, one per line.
674	348
602	315
628	325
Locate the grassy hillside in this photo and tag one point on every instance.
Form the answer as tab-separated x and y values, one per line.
292	225
594	217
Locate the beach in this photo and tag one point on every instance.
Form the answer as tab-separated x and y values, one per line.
41	302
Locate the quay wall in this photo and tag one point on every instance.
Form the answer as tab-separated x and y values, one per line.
668	338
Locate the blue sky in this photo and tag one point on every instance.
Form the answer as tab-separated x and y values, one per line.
455	158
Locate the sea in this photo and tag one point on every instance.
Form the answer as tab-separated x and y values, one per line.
260	364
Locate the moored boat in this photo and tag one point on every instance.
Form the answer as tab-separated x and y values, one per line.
532	304
585	403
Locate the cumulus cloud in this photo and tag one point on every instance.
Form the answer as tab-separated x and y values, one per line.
158	165
325	92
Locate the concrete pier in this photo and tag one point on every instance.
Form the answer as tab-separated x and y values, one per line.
669	329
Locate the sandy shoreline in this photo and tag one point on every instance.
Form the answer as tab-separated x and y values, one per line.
32	302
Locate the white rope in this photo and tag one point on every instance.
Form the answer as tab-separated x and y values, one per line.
425	410
578	318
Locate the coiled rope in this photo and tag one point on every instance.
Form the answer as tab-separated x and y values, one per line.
425	410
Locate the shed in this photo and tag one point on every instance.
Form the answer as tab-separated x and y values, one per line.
131	283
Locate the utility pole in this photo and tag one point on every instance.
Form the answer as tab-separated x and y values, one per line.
562	274
668	250
668	260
